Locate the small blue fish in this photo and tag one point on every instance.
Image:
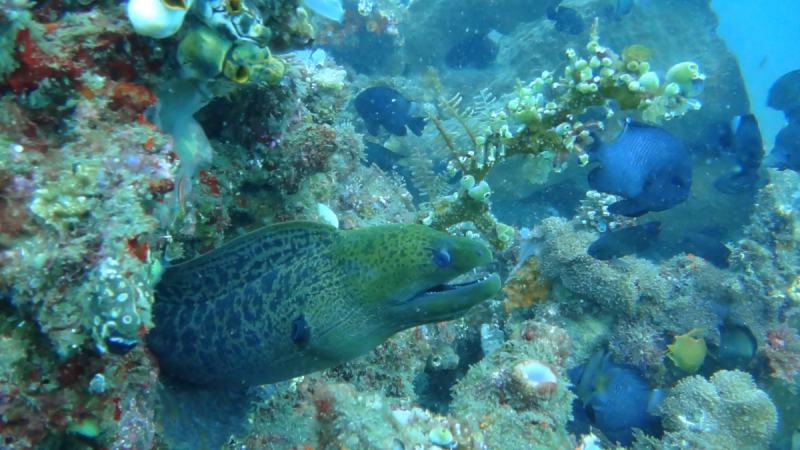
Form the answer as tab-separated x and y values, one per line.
384	158
477	51
384	106
625	241
748	150
567	20
786	152
784	95
706	247
615	399
647	166
624	7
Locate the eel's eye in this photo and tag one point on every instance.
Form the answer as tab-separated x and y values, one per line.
441	258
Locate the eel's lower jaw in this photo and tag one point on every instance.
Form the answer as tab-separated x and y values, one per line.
450	301
447	288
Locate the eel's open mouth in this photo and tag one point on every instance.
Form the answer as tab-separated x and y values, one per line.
449	287
450	301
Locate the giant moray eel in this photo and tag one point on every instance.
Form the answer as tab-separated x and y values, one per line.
298	297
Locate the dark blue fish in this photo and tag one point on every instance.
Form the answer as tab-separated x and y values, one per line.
748	150
614	398
737	346
623	7
477	51
717	141
567	20
384	106
706	247
382	157
625	241
647	166
786	152
784	95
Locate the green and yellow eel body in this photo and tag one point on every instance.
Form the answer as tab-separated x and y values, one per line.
294	298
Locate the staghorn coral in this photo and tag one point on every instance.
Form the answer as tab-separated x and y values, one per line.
726	411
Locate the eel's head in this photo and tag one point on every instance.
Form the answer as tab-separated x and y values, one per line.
411	275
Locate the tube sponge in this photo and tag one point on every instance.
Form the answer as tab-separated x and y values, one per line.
202	52
683	73
157	18
481	192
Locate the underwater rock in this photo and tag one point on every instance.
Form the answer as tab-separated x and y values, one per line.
347	418
477	51
521	383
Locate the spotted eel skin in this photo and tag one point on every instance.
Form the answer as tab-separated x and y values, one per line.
298	297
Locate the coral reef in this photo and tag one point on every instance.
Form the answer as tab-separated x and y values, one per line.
645	302
726	411
539	122
519	393
92	195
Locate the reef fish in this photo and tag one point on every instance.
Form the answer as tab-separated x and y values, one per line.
747	148
567	20
381	105
384	158
786	152
647	166
623	7
615	398
706	247
737	346
784	95
294	298
625	241
477	51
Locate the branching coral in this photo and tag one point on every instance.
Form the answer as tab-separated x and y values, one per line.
542	126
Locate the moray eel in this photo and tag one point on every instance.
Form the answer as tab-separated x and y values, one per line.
294	298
